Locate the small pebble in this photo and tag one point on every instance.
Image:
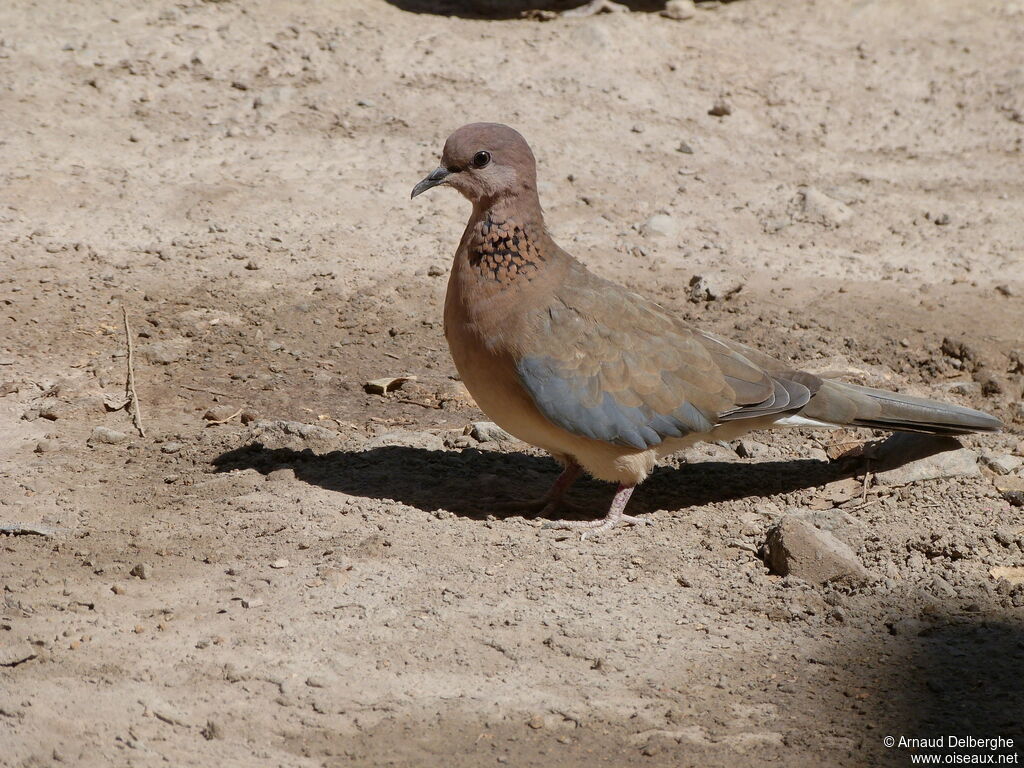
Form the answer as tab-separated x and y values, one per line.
251	602
487	432
660	225
720	109
679	10
142	570
107	435
51	412
280	563
171	447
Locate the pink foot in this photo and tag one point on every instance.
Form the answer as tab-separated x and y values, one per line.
615	517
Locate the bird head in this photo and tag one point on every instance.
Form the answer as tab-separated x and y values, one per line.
485	162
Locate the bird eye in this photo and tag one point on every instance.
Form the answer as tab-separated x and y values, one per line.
480	159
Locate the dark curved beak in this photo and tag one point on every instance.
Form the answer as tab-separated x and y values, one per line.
436	177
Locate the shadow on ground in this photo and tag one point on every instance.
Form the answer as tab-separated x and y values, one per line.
951	675
465	481
507	9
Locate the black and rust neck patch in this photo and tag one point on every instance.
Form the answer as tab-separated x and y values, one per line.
505	251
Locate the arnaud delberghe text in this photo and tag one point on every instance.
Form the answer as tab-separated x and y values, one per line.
957	742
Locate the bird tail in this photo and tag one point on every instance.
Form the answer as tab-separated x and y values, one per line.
841	403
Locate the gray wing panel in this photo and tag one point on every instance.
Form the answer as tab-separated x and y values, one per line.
562	398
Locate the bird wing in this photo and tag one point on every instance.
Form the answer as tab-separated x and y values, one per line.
605	363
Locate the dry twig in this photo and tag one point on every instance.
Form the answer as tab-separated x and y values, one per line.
226	419
129	385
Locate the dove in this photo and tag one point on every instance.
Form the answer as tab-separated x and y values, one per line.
602	378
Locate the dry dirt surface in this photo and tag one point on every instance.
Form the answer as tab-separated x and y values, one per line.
288	570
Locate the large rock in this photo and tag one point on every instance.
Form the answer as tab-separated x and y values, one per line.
406	439
487	432
908	458
165	352
841	524
297	436
1003	464
794	547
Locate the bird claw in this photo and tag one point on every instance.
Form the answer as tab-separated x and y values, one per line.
592	528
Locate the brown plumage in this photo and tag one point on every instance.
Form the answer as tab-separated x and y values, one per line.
598	376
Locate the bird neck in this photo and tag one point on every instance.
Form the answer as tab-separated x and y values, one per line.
507	242
520	204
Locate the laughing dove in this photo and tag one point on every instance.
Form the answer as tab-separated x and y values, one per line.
602	378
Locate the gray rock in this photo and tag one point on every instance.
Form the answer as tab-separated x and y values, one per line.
296	435
50	411
751	449
14	653
45	446
660	225
220	413
961	387
171	447
164	352
713	287
1005	535
839	523
1011	489
107	435
408	439
487	432
142	570
908	458
679	10
794	547
819	208
1004	464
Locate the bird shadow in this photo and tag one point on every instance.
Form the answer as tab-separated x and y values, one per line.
472	482
507	9
952	675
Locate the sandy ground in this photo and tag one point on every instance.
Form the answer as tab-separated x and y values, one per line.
236	174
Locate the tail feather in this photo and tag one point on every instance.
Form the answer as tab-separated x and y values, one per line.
850	404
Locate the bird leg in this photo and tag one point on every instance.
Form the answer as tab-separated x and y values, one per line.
550	502
593	7
614	517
